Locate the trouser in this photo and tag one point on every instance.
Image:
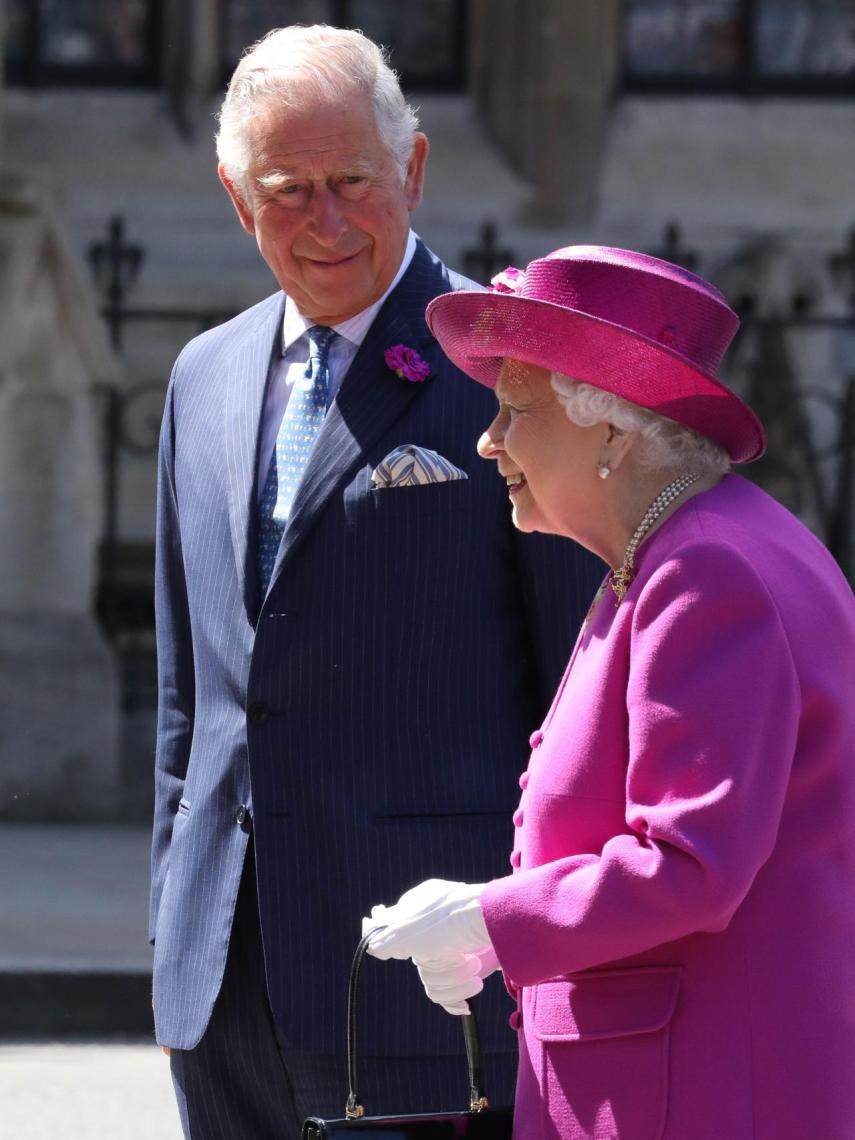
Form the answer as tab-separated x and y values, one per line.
244	1081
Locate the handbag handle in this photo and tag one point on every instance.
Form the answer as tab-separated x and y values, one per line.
353	1109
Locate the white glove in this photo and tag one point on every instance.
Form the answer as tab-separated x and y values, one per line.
435	920
450	981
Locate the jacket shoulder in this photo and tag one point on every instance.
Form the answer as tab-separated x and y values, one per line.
458	282
232	331
445	280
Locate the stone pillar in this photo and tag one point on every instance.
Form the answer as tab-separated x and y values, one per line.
543	78
2	78
191	52
59	714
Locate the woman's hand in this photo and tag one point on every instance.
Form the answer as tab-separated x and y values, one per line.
435	920
450	981
440	926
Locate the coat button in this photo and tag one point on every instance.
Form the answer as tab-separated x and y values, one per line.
515	1020
524	778
258	713
516	859
535	739
241	816
519	815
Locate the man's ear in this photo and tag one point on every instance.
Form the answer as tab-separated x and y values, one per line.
236	195
415	180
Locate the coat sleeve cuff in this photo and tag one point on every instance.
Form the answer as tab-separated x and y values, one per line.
503	927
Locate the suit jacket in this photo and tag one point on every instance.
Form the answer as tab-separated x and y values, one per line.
682	921
367	718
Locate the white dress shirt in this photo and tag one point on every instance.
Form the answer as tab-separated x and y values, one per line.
286	370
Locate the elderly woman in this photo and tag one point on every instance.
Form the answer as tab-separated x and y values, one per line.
679	926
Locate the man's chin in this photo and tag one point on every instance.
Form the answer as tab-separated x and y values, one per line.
331	305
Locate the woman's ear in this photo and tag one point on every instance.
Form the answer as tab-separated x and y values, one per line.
617	446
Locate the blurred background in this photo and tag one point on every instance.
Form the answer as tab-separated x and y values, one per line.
717	133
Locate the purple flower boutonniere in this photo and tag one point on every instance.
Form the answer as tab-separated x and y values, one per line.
406	363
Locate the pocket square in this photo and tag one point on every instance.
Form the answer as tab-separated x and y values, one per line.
409	466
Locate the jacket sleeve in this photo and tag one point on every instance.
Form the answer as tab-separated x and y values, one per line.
713	704
176	686
559	580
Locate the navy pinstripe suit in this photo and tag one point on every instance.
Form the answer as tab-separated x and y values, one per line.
372	711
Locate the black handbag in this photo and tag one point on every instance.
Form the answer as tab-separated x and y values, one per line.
479	1122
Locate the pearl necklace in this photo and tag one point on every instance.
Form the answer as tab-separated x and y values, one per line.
622	577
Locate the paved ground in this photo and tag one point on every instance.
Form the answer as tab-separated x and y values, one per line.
86	1092
75	958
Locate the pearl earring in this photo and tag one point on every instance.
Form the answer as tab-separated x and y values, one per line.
603	470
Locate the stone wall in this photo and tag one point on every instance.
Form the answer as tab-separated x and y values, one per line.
58	690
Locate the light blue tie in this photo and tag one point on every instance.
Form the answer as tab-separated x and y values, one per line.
304	415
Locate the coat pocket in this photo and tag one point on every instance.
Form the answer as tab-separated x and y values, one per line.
600	1046
381	504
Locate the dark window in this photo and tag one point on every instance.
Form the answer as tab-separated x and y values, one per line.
805	38
82	42
746	46
245	21
426	38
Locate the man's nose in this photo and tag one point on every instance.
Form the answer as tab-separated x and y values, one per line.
327	220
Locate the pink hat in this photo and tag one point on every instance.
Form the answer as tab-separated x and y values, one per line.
641	328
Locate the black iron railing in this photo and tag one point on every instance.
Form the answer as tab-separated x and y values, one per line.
810	464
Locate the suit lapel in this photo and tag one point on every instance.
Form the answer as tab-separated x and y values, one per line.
246	378
370	399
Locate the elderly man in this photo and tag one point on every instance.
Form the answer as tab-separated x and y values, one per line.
353	643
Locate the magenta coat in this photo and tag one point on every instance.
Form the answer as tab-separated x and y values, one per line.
680	923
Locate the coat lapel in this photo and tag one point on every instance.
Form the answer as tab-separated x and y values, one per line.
246	378
370	399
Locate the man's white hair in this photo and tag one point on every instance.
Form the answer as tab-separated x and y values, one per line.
662	443
290	65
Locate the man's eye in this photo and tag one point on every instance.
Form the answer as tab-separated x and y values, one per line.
352	185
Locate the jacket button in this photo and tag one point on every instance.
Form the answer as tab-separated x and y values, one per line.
515	1020
258	713
241	816
524	778
519	815
535	739
516	859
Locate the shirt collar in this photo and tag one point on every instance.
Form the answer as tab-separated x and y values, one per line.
355	328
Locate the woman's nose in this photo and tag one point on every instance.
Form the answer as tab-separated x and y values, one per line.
490	445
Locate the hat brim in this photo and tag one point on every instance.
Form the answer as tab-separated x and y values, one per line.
478	330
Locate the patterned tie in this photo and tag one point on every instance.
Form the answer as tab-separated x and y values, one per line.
298	431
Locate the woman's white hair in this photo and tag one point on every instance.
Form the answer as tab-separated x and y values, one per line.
289	65
662	443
